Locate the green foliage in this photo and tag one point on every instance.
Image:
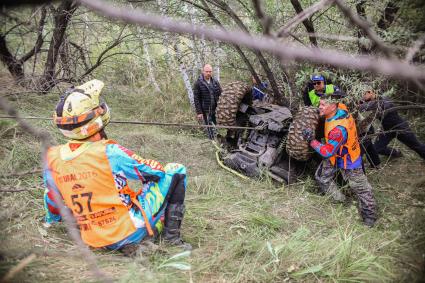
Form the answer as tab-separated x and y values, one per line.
241	230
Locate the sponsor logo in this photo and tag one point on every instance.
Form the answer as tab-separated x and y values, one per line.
149	162
73	177
77	187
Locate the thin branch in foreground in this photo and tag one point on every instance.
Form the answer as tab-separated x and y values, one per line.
18	174
15	190
73	231
16	269
389	67
364	26
299	18
415	48
265	20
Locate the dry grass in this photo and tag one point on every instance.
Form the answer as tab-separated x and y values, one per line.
242	231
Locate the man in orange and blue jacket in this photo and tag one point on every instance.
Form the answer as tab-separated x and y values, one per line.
341	151
91	174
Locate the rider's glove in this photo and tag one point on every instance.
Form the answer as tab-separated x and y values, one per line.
308	135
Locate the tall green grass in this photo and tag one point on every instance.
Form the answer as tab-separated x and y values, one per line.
241	230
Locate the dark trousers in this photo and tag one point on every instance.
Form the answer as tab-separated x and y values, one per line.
368	148
406	136
176	193
209	119
357	181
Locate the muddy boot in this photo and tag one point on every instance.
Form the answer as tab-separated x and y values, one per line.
369	222
130	250
173	219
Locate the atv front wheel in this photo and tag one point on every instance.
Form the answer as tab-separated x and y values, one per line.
297	147
228	104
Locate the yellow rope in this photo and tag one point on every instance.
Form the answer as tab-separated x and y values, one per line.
217	155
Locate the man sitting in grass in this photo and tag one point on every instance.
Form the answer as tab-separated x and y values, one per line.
90	174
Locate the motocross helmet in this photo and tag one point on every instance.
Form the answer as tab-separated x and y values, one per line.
80	113
337	96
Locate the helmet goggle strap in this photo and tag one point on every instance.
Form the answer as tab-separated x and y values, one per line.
80	120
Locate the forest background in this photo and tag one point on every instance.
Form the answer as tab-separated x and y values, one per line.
242	230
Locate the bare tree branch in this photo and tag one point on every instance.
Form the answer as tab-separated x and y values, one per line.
389	67
306	22
82	53
364	26
264	64
16	269
15	190
40	40
74	233
18	174
265	20
207	9
101	58
415	48
295	21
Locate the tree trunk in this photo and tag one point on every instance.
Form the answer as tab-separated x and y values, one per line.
166	41
62	17
360	34
216	53
237	48
388	16
14	65
307	22
276	93
197	67
151	74
183	72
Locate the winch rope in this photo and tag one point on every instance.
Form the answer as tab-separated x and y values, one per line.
182	125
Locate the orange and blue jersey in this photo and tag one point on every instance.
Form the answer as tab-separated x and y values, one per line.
337	138
93	180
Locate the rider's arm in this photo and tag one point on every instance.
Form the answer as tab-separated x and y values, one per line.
133	166
368	106
50	206
337	137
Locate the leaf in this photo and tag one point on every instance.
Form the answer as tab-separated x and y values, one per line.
291	268
312	269
270	248
179	255
171	262
176	265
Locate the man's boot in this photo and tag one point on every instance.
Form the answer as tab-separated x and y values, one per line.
173	219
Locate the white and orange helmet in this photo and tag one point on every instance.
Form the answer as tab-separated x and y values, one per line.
80	113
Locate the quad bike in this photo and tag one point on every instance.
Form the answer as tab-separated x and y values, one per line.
260	150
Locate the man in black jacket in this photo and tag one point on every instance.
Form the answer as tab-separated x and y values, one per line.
393	125
206	92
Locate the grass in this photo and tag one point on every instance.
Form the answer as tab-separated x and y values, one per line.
241	230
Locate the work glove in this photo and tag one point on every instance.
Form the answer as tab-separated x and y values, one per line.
308	135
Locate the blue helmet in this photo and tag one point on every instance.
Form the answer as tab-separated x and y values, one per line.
317	77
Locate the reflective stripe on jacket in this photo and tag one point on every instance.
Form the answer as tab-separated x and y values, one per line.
315	99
